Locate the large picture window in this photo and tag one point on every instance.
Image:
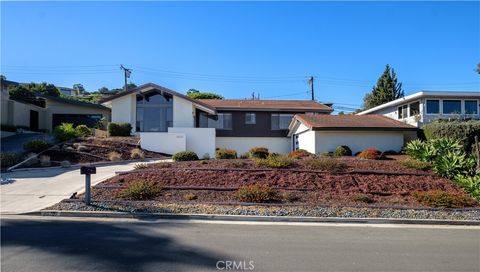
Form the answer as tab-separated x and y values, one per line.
154	112
220	121
281	121
402	112
433	106
471	107
452	106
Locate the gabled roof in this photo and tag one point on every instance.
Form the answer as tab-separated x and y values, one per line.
152	86
73	102
419	95
349	122
267	105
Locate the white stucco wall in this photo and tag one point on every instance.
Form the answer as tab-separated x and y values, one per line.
163	142
183	113
327	141
124	110
280	145
199	140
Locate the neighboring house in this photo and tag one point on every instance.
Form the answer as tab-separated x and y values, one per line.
69	91
425	106
324	133
168	121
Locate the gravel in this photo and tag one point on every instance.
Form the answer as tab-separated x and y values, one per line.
261	210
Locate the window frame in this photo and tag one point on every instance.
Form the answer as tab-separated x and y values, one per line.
476	104
279	115
404	109
410	108
251	121
456	100
426	106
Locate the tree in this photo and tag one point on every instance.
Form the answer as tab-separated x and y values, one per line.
78	87
196	94
2	77
386	90
27	92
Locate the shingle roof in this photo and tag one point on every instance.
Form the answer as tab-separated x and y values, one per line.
280	105
351	122
73	102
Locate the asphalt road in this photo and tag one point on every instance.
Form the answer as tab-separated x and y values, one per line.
130	245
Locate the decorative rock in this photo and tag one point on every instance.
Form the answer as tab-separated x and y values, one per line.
65	164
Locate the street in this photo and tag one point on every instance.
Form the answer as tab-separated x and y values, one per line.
86	244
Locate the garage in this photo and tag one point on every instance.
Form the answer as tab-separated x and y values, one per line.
324	133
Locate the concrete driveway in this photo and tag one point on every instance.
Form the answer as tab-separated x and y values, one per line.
33	190
15	143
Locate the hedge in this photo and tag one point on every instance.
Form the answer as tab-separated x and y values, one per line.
119	129
462	131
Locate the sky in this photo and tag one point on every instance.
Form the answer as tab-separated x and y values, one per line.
236	48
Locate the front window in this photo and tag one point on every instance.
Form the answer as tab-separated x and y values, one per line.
402	112
414	108
452	107
154	112
433	106
281	121
471	107
250	119
219	121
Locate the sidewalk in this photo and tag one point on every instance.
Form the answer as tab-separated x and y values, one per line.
37	189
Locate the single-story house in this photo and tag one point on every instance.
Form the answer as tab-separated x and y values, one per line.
324	133
425	106
168	121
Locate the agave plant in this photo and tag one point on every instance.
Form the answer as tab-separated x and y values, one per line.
470	184
415	149
452	164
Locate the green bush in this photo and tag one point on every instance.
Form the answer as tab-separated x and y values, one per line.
343	150
470	184
324	164
83	131
275	161
223	153
452	164
363	198
64	132
257	194
119	129
35	146
416	164
139	166
185	156
141	190
442	199
8	159
462	131
258	152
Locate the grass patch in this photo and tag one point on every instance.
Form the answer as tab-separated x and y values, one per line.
324	164
141	190
275	162
442	199
415	164
257	194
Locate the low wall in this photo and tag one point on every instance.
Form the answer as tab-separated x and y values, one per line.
199	140
280	145
163	142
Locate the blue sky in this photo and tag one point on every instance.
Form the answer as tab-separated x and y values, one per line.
236	48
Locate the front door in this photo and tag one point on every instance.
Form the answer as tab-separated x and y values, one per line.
33	120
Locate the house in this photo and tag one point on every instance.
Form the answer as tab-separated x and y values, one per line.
324	133
168	121
70	91
425	106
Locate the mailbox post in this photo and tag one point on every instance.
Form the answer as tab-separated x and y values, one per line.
87	171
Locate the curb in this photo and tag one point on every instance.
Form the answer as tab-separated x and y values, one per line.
250	218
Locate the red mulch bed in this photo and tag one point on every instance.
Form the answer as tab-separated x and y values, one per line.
308	187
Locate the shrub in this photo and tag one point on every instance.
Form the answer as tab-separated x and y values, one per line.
83	131
119	129
185	156
223	153
141	190
236	164
462	131
326	154
324	164
416	164
290	197
363	198
8	128
470	184
257	194
190	196
114	156
299	153
35	146
371	154
136	153
8	159
442	199
275	161
64	132
258	152
139	166
452	164
343	150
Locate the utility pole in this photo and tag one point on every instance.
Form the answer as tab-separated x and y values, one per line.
126	73
310	81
